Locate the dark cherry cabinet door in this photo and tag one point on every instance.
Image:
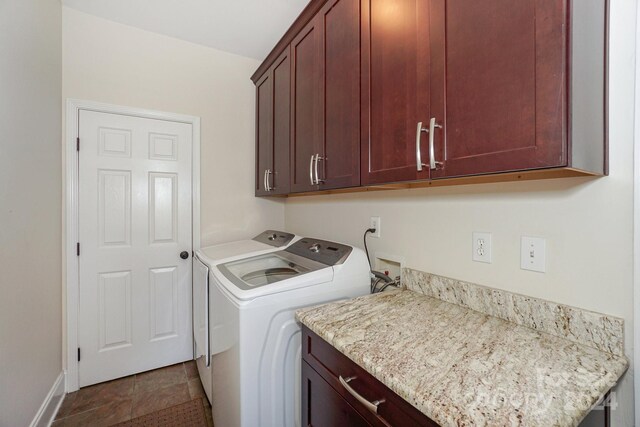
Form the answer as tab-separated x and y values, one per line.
306	105
272	128
264	135
499	85
281	76
323	406
396	89
325	115
339	163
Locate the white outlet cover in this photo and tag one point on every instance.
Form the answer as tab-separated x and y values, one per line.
481	247
533	254
375	223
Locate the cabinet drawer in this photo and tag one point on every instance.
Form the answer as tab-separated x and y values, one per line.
332	365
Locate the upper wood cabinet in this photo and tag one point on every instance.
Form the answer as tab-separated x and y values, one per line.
396	89
306	106
325	114
273	91
264	135
504	92
417	92
340	141
483	87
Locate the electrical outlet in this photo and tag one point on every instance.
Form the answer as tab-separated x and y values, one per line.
375	223
533	254
481	247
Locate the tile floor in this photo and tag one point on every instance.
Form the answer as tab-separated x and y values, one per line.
127	398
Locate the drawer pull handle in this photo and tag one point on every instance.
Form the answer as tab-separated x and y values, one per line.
371	406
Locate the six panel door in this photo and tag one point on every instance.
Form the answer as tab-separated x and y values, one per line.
134	221
395	89
499	85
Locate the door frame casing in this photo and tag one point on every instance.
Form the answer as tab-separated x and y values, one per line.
71	188
636	229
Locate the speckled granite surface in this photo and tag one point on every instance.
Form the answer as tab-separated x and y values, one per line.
585	327
465	368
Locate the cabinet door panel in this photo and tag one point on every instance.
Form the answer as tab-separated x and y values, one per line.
396	88
341	81
281	123
502	85
306	105
322	406
264	140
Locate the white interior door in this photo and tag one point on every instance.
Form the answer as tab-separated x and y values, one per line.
135	219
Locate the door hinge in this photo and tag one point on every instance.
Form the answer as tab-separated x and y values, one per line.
78	354
78	144
78	249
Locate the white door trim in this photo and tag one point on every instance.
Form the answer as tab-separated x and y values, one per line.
636	233
74	106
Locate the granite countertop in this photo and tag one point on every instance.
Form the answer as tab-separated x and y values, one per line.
461	367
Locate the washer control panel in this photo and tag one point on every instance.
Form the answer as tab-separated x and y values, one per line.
325	252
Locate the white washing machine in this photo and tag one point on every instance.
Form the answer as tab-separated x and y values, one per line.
205	259
255	338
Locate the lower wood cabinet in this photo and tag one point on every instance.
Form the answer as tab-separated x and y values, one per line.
337	392
323	406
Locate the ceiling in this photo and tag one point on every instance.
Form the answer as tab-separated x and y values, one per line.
245	27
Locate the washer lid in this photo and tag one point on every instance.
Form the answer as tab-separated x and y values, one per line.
264	242
213	255
261	270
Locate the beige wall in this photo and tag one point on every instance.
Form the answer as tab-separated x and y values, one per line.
30	206
109	62
587	222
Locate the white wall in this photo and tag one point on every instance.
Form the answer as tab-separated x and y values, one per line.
30	206
114	63
587	222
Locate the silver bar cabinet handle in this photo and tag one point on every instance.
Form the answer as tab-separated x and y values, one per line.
318	157
432	151
264	180
419	131
269	175
311	170
371	406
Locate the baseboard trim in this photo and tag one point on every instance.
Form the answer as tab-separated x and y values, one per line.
51	404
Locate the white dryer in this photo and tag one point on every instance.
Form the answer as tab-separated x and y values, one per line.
205	259
256	339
